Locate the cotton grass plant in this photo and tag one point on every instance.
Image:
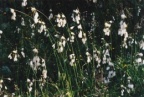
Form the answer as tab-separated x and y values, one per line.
50	56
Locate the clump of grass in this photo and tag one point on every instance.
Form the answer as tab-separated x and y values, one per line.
51	56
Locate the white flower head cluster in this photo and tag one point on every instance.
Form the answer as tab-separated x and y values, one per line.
139	59
24	3
5	95
37	62
141	44
22	53
131	41
38	21
1	85
44	73
51	15
107	60
89	57
42	27
22	22
96	56
139	10
13	17
17	30
106	56
14	55
84	38
35	15
1	32
61	20
72	59
30	85
76	16
122	90
123	16
44	77
42	81
32	25
94	1
130	85
122	30
72	37
61	44
129	88
81	34
33	9
107	28
111	72
35	50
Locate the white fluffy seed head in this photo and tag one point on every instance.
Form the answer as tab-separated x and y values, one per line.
35	50
1	31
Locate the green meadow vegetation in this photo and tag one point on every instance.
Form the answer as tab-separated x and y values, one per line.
91	50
